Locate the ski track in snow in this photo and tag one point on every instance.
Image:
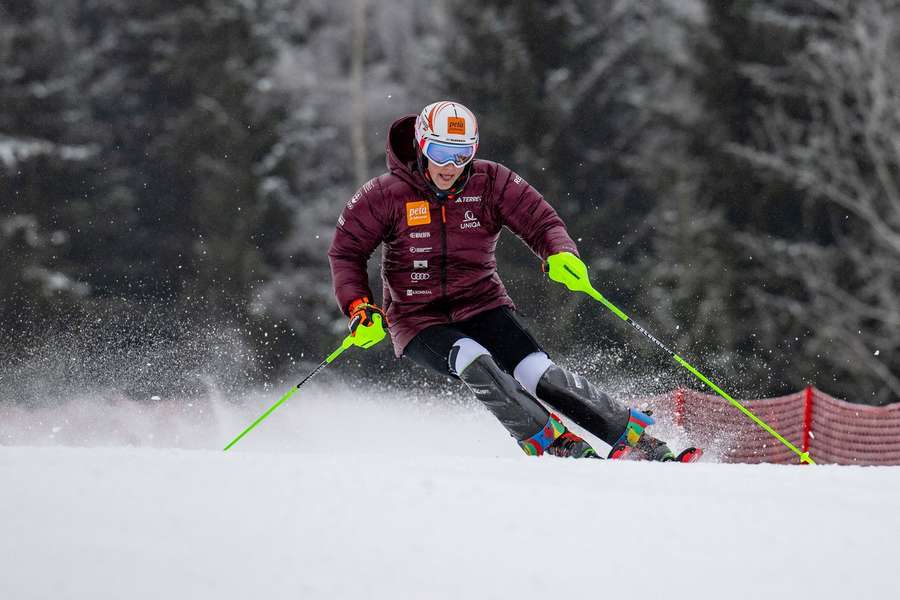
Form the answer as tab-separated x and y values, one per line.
337	495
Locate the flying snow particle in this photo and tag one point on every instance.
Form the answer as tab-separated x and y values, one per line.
877	352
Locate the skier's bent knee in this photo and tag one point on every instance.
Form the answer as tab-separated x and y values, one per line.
620	427
530	370
527	421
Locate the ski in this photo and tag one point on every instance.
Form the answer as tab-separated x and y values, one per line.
626	452
689	455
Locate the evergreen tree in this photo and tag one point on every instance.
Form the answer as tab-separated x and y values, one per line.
725	313
828	137
41	162
138	142
185	128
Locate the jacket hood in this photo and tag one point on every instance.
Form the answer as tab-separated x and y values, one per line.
401	152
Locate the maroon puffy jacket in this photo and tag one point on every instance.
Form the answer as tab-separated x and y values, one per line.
438	264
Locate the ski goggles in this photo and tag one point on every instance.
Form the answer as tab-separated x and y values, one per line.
440	153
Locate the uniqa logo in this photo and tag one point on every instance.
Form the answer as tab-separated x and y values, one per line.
419	276
471	221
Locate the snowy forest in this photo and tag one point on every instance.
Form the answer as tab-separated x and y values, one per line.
171	173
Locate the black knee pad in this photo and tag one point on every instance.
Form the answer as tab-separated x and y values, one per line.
577	398
516	409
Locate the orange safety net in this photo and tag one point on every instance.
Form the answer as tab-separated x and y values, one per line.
834	431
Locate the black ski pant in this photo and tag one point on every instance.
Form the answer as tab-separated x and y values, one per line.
501	333
498	330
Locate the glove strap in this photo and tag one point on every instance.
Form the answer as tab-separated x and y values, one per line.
356	304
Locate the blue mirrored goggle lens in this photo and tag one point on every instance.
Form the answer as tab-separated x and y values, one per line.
442	154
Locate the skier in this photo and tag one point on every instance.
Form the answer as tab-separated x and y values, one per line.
438	212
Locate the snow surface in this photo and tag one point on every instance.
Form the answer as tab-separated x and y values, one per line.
338	496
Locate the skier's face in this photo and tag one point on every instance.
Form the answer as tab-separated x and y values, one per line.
444	177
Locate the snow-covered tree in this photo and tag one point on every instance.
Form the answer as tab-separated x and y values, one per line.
830	132
40	163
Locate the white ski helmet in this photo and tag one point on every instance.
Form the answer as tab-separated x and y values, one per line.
447	132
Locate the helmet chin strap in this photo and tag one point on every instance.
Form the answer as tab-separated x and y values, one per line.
451	192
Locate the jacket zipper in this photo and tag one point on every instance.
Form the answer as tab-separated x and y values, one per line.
444	261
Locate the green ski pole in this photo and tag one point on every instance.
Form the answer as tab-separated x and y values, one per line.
348	341
566	268
364	336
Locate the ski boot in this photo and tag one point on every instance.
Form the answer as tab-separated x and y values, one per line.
660	453
636	444
647	448
557	440
571	445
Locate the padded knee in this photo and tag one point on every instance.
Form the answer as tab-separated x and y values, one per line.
575	397
463	353
530	370
524	418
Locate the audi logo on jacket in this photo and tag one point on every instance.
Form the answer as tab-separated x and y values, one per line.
455	237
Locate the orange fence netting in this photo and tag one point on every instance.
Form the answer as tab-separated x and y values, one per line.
833	431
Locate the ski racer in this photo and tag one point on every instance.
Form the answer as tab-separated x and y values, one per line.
438	212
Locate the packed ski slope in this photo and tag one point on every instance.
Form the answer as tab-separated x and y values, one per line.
342	496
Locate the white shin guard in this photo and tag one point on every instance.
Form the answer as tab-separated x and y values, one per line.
530	370
463	353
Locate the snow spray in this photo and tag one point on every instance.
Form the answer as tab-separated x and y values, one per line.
577	281
364	336
348	341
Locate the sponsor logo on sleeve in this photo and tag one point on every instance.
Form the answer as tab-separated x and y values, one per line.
418	250
341	220
517	180
416	276
352	202
418	235
470	221
417	213
468	199
419	292
456	126
420	264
